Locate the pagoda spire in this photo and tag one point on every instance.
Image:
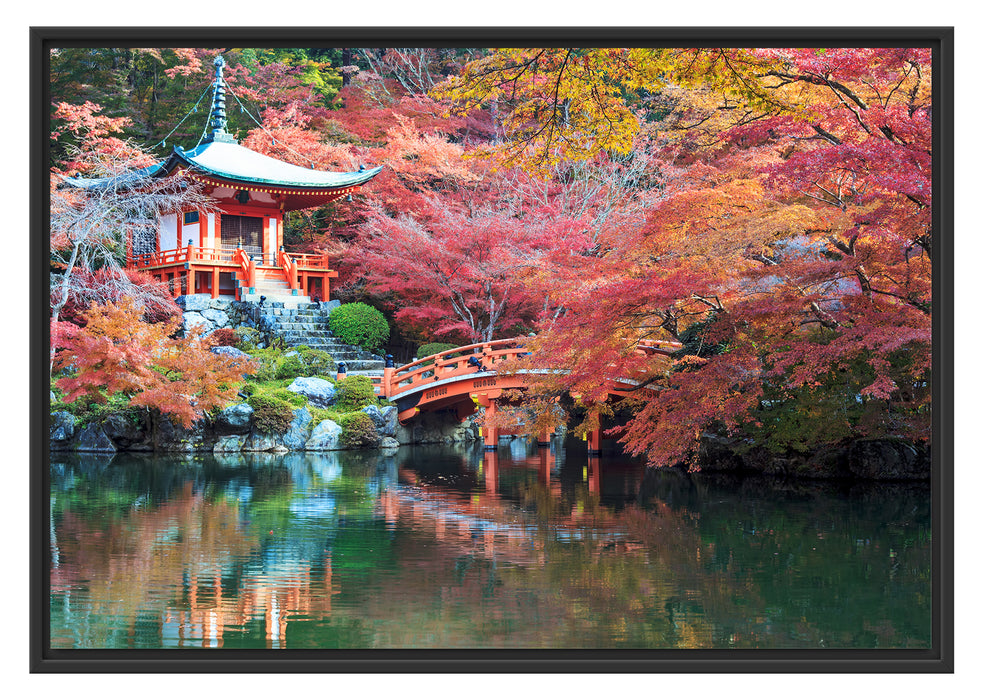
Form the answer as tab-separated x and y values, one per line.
217	121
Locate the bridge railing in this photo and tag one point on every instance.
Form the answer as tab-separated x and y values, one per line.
453	363
477	357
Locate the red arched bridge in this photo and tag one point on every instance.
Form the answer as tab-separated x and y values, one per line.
466	377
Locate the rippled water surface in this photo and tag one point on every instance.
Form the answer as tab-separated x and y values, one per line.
449	547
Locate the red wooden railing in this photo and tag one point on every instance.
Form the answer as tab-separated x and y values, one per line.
289	266
192	253
248	266
450	363
488	355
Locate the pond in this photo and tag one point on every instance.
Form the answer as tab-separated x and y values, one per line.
453	547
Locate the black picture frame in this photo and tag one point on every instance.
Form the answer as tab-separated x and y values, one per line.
937	659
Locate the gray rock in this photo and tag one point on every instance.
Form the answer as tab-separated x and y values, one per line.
260	442
93	439
325	436
172	437
229	443
193	318
194	302
300	430
229	351
220	304
319	392
62	426
218	318
128	432
380	419
388	443
234	420
888	459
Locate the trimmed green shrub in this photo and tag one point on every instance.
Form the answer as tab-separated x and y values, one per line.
318	363
271	414
358	430
354	393
359	324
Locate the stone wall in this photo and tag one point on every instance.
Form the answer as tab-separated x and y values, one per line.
233	430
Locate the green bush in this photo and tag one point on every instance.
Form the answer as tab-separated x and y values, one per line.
271	414
359	324
248	338
289	367
86	411
358	430
354	393
318	363
295	400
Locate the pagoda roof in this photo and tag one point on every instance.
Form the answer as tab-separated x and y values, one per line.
237	165
220	158
230	161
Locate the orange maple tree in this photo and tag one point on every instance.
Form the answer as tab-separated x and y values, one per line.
116	352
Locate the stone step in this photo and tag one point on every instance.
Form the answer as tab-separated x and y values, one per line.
357	366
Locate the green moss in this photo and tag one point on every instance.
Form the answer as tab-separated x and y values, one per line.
317	363
271	414
247	338
358	430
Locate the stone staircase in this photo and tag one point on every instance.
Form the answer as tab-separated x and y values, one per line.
270	283
307	324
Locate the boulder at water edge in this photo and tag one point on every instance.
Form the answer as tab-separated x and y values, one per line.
229	443
325	436
235	419
62	426
385	419
300	430
93	439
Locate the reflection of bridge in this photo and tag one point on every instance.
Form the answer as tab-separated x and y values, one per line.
466	377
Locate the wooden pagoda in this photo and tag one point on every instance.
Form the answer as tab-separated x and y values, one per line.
237	249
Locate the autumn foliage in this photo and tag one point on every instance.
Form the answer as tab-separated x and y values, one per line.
116	352
767	210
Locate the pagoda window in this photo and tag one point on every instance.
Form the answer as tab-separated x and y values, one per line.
244	232
144	243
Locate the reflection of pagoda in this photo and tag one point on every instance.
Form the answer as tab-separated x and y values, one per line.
238	249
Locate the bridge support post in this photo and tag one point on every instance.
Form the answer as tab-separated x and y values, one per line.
593	474
594	442
544	439
491	472
490	434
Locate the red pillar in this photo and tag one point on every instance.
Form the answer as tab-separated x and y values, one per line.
545	467
543	440
490	434
215	283
491	472
593	474
594	442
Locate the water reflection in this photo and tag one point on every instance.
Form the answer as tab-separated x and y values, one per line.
458	548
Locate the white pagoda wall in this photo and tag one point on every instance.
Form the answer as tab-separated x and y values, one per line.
168	232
